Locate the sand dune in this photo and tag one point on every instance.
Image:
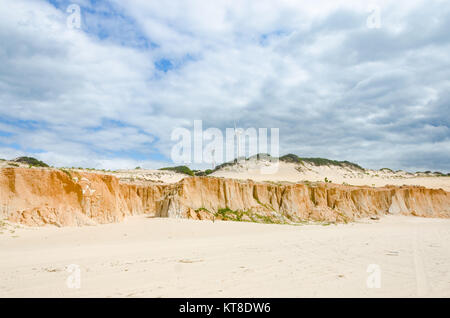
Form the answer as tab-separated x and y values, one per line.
143	175
294	172
151	257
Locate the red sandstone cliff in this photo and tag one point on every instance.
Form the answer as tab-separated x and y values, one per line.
43	196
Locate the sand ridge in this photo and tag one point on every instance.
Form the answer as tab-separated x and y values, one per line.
294	172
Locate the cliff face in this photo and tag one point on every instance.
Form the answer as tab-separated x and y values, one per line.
41	196
194	197
37	197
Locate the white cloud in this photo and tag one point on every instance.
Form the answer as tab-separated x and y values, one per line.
334	87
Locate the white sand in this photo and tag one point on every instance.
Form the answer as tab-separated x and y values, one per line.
145	257
162	176
289	172
128	175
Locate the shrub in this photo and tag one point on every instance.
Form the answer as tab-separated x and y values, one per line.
203	173
290	158
320	161
66	172
180	169
31	161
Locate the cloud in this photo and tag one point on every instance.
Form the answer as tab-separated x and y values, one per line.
112	92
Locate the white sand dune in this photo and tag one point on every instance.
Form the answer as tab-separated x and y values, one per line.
293	172
162	176
145	257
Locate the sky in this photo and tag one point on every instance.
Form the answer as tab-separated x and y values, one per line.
109	94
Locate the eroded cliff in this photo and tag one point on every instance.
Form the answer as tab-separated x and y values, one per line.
37	197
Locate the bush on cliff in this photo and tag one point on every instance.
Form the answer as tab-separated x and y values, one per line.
31	161
319	161
200	173
180	169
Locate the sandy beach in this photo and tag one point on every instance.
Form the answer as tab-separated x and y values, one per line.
155	257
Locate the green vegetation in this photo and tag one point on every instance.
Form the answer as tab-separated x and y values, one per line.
201	173
267	206
31	161
290	158
319	161
202	209
180	169
438	173
66	172
227	214
225	164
